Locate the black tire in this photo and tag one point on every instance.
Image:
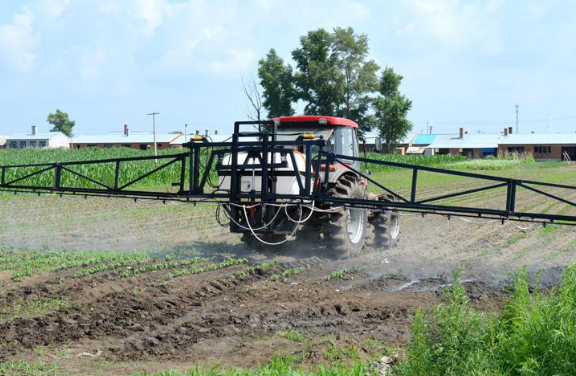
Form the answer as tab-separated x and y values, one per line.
345	231
385	226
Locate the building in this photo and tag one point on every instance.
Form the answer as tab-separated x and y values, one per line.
559	146
2	142
475	145
419	143
38	140
405	143
134	140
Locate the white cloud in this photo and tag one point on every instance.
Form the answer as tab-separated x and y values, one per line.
455	24
18	41
149	13
53	8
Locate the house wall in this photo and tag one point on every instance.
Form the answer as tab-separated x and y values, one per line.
22	144
555	154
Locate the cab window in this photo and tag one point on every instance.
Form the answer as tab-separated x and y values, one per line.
348	138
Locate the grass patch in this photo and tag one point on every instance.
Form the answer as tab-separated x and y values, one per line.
534	335
276	367
22	368
292	335
20	307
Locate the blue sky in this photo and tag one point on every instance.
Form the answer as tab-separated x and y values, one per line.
110	62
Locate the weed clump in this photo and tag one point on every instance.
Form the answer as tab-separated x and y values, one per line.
534	335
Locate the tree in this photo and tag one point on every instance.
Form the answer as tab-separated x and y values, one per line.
277	81
61	123
318	79
252	92
390	110
360	74
334	76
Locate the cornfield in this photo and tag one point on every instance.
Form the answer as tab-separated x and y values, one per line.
103	172
163	179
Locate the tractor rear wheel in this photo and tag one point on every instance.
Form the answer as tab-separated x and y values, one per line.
385	229
345	230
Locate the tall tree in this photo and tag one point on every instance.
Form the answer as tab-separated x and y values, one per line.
277	81
334	76
61	123
360	74
391	109
318	79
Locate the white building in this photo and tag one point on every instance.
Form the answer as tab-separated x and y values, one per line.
37	140
2	142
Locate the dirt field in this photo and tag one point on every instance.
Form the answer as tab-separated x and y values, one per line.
293	301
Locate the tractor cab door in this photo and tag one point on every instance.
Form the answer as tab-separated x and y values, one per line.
347	144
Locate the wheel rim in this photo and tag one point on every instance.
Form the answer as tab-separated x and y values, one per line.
394	225
355	225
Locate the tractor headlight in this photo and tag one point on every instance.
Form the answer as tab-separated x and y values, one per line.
308	136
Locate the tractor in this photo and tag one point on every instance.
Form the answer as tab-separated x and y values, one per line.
344	231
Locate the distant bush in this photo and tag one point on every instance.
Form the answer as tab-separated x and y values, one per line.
534	335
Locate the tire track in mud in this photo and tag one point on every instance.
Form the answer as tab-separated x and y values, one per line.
112	310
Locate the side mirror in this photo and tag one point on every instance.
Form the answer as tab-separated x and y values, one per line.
378	144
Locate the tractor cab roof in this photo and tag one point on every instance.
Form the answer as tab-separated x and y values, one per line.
321	120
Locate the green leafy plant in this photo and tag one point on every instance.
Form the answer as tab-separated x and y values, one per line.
338	274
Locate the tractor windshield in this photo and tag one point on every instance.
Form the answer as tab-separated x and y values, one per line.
293	132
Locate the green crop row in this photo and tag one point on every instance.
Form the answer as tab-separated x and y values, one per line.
287	273
25	264
161	266
197	270
338	274
121	261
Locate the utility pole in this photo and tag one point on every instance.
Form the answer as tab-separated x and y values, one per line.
153	114
517	119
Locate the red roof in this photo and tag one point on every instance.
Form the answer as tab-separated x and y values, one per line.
331	120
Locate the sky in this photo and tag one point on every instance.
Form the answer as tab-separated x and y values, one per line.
111	62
